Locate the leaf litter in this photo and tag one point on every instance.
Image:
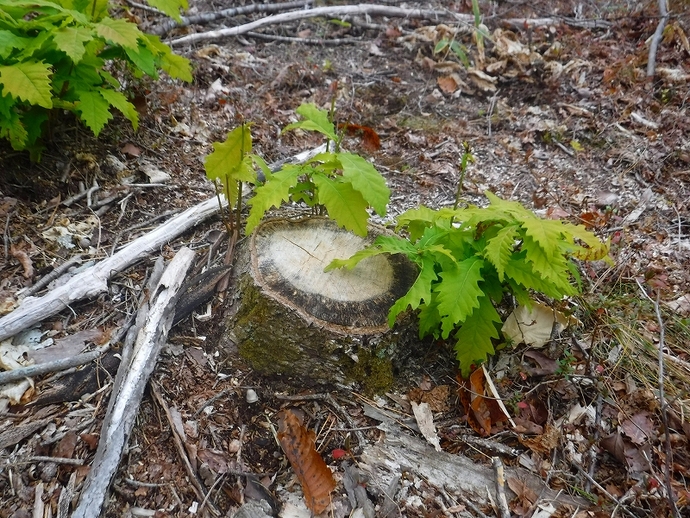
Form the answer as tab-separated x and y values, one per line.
559	118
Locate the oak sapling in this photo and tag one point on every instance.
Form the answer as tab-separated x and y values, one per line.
55	55
338	184
468	258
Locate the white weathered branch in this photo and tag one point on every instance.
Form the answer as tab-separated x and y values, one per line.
120	420
654	45
330	11
93	281
208	17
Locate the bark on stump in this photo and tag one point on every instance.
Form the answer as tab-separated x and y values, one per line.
290	317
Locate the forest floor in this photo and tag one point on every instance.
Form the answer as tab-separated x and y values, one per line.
558	115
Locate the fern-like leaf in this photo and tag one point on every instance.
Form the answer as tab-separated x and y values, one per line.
473	340
458	292
499	248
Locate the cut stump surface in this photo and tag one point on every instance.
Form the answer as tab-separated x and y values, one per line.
291	317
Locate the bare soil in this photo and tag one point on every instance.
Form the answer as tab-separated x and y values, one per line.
571	128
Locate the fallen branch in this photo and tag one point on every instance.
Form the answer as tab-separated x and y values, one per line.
654	45
330	11
202	18
55	366
93	281
119	421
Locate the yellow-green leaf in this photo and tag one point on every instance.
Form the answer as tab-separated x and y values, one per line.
71	41
28	81
94	110
119	31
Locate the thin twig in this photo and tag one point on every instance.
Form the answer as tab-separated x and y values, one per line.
499	473
653	46
662	401
603	490
305	41
50	277
58	365
179	446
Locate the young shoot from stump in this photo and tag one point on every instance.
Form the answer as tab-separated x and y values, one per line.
338	184
468	258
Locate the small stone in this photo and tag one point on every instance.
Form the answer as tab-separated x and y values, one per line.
251	396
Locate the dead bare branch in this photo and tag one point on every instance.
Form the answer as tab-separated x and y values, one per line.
662	401
93	281
330	11
658	33
118	423
202	18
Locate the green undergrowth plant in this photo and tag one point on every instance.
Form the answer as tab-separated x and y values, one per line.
339	184
62	55
470	258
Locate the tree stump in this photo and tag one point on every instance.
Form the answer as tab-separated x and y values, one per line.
290	317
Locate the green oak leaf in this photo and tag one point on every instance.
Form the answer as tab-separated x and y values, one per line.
72	41
119	32
315	119
344	204
366	179
119	101
28	81
419	292
94	110
458	292
473	339
272	193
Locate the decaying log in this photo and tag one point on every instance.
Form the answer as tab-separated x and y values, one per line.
125	399
401	453
291	317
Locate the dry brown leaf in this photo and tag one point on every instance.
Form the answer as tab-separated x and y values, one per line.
447	84
24	259
370	139
482	411
639	428
311	470
131	150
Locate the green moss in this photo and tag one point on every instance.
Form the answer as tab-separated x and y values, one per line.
373	373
